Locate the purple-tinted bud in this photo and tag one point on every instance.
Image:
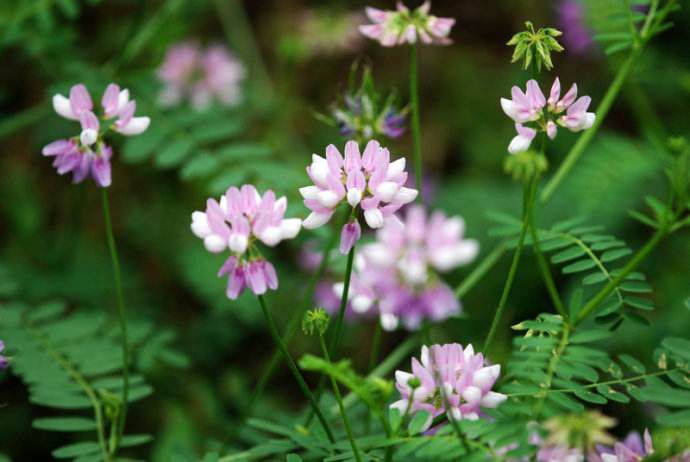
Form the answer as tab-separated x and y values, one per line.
349	236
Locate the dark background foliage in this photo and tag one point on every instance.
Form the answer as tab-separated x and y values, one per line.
52	243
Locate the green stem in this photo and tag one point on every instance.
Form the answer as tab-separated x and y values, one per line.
416	131
528	200
544	267
620	276
335	340
296	319
273	330
120	314
375	346
339	399
551	369
601	112
480	270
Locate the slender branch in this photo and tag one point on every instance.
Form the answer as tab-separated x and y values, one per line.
339	399
627	269
416	131
551	369
335	339
480	270
529	192
120	315
273	330
294	322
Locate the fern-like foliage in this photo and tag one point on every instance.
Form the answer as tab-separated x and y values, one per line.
555	368
71	363
210	146
595	256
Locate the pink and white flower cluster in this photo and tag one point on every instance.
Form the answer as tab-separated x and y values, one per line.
533	112
450	380
633	449
398	273
88	154
369	181
235	222
402	26
201	76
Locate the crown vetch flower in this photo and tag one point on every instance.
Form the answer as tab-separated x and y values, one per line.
401	26
235	222
3	360
88	154
200	75
533	112
633	449
369	181
450	380
571	19
399	271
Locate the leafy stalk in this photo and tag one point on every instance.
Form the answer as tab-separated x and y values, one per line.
551	369
339	399
121	318
416	132
528	195
273	330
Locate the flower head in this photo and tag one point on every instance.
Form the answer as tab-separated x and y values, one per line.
369	181
533	112
235	222
401	26
398	273
200	75
87	154
449	379
4	361
535	46
571	19
633	449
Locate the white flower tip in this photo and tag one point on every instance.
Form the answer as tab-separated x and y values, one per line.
519	144
63	107
135	126
238	243
389	321
374	218
406	195
328	198
290	227
88	136
339	289
354	196
387	191
315	220
271	236
309	192
361	304
214	243
493	399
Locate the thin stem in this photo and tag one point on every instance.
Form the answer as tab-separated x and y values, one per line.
480	270
273	330
551	369
544	267
375	346
416	131
294	322
528	200
602	110
335	339
339	399
120	314
620	276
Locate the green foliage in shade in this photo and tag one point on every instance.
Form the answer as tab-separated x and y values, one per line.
592	254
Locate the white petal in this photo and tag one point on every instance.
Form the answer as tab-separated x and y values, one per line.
400	405
389	321
493	399
339	289
406	195
387	191
472	395
374	218
328	198
223	202
425	356
238	243
471	416
63	107
485	377
402	378
361	303
395	168
135	126
319	170
309	192
509	108
289	227
354	196
456	413
280	203
122	99
314	220
88	136
200	226
519	144
214	243
271	236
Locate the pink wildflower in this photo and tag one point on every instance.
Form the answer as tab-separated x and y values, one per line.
402	26
532	107
3	360
202	76
236	222
450	380
369	181
88	154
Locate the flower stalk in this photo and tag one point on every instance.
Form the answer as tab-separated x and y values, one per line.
121	318
416	131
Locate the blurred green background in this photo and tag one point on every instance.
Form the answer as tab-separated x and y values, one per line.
298	55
